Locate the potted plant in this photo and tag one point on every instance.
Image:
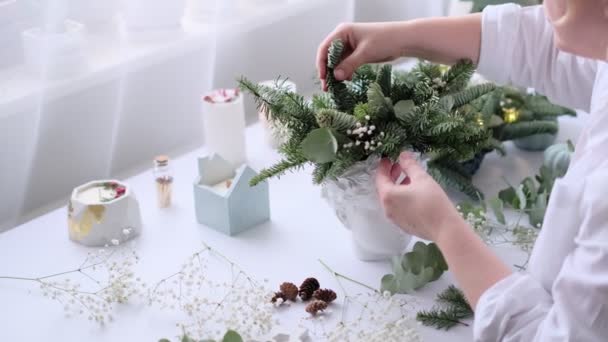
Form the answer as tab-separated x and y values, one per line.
529	120
56	49
378	114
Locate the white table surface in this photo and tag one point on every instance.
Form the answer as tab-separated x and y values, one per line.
303	229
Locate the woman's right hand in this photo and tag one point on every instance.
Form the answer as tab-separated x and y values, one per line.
363	43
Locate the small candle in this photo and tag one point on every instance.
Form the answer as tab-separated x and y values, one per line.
274	133
101	193
222	187
224	124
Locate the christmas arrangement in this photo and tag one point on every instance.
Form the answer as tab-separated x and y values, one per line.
510	115
479	5
379	113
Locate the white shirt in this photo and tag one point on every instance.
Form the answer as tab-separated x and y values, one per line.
563	296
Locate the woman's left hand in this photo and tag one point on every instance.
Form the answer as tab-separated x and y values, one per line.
418	205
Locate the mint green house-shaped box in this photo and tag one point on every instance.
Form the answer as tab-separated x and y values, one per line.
223	199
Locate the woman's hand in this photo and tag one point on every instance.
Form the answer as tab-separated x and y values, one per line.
441	40
363	43
418	205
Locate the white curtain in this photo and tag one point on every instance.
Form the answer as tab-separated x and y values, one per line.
140	95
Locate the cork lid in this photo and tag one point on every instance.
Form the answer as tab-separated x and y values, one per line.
161	160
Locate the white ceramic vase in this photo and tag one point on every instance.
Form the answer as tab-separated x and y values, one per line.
354	198
56	54
97	223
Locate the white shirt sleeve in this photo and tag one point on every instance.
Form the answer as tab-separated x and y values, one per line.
517	48
518	308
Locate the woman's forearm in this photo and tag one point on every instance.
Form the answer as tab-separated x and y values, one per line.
475	267
441	40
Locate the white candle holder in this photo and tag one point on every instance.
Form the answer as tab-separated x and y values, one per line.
223	199
224	124
56	54
275	134
103	212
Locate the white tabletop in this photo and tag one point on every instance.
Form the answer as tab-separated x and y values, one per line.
303	229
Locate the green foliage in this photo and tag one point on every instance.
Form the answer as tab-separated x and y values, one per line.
454	308
379	113
532	195
320	146
449	177
230	336
422	265
336	120
520	130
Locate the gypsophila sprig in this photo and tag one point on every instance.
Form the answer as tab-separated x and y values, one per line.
104	280
380	113
235	301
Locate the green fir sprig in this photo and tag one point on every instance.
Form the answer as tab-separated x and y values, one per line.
452	309
380	113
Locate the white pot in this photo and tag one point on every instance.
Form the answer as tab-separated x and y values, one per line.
354	198
96	223
56	55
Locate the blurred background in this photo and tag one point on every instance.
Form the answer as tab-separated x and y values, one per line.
93	89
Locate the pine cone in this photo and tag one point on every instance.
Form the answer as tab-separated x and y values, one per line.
308	287
290	291
277	296
325	295
315	306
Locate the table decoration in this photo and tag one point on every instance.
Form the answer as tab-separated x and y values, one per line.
164	181
103	212
223	199
275	133
224	124
92	290
378	114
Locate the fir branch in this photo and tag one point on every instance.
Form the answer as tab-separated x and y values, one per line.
466	96
385	79
319	174
443	319
278	169
543	108
322	101
380	107
335	119
524	129
451	179
458	76
455	297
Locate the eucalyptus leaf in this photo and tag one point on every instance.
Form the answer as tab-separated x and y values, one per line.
530	189
521	196
537	213
320	146
163	340
414	269
498	208
232	336
403	108
187	338
509	197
